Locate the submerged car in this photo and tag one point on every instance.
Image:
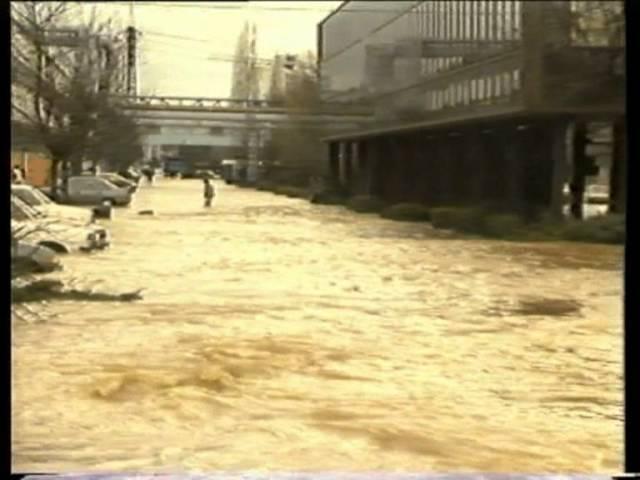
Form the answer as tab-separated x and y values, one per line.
119	181
33	257
61	236
93	191
43	204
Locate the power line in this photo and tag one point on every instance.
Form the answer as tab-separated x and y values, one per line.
179	37
217	56
256	6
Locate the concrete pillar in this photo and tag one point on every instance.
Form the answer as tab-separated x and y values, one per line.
362	168
407	160
618	180
342	162
374	165
513	169
334	162
422	168
578	181
348	166
435	170
560	168
442	171
394	170
400	169
460	178
476	161
542	155
493	176
408	172
384	170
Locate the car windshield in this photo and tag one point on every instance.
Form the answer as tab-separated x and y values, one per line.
21	211
43	198
113	178
28	196
108	184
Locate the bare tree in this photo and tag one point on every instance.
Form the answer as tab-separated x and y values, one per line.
276	80
245	78
245	84
298	149
598	23
61	82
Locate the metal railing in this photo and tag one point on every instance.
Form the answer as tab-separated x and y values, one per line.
231	104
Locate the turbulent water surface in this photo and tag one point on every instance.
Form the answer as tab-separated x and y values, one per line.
279	335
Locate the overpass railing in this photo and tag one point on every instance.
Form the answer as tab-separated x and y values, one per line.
231	104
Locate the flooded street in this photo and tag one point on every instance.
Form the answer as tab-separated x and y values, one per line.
279	335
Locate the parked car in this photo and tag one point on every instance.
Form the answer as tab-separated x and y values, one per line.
202	174
230	170
174	166
597	195
37	258
40	202
92	190
119	181
59	235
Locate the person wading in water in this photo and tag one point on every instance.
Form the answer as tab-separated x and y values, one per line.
209	193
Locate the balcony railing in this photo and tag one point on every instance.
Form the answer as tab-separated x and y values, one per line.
480	85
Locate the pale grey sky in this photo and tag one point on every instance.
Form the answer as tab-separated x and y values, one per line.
181	66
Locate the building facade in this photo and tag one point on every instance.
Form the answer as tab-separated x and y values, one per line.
477	89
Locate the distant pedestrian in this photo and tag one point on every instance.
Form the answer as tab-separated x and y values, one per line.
209	193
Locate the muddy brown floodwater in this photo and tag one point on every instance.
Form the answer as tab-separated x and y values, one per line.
279	335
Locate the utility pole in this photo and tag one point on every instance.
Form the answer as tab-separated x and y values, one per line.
252	90
132	54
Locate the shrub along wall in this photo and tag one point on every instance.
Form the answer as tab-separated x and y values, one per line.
366	204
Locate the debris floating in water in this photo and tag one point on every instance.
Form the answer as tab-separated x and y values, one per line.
41	290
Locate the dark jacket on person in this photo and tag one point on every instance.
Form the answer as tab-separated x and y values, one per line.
209	191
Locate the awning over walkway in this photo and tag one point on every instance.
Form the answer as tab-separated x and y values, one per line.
478	116
508	111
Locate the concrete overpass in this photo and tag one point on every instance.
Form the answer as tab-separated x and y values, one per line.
224	122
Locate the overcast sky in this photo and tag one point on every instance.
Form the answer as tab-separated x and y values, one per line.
181	66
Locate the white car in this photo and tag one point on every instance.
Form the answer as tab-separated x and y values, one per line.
62	237
96	190
40	202
92	190
41	258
